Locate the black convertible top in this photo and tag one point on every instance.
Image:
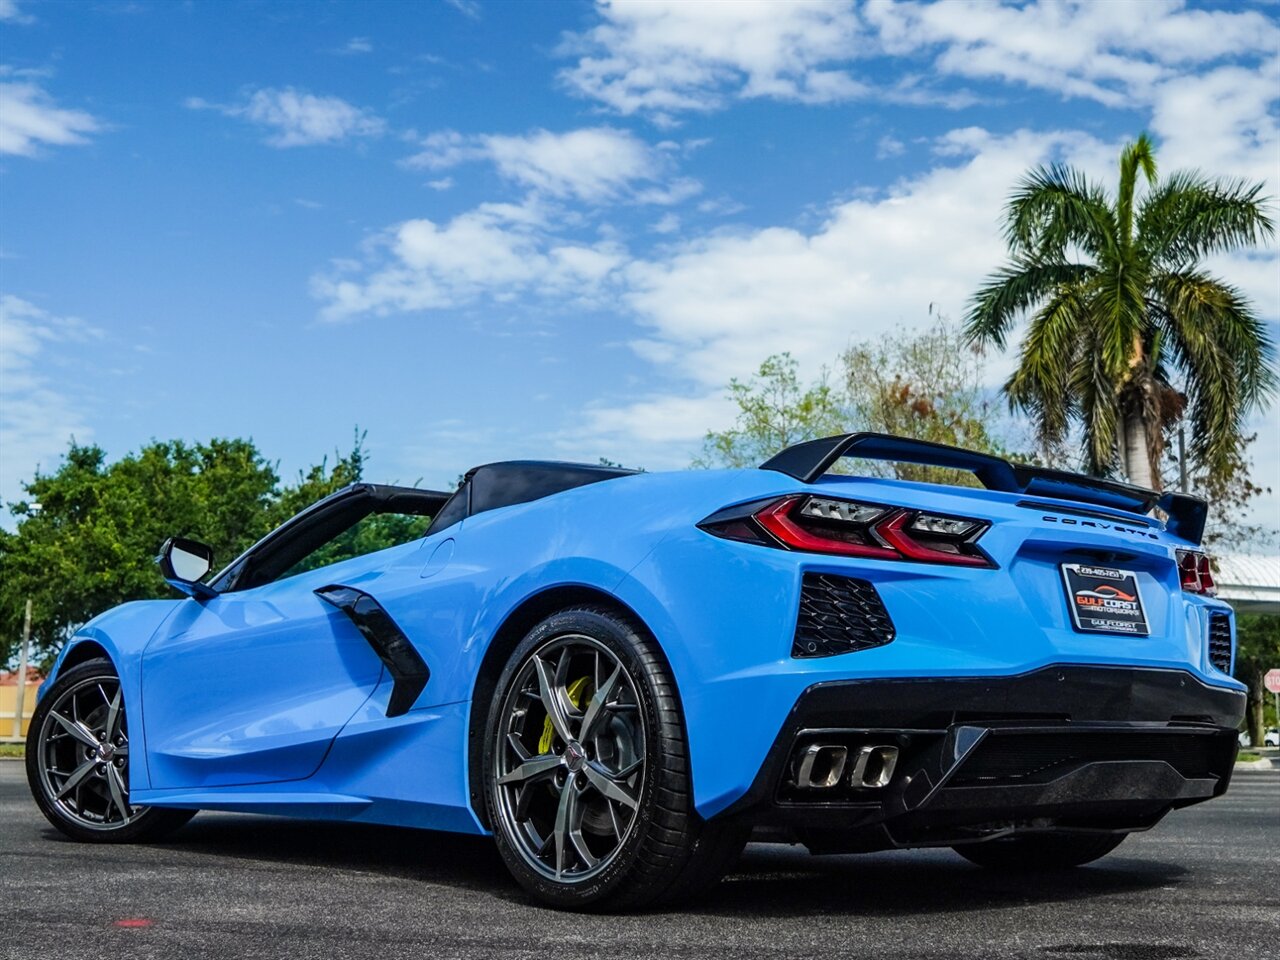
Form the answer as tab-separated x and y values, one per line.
495	485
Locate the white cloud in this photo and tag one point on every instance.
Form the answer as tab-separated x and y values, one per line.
30	119
36	419
442	184
661	432
1115	53
298	118
357	45
667	223
595	164
717	305
666	56
713	307
497	251
469	8
888	146
10	12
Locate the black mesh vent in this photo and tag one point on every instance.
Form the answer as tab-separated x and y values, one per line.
1220	641
1038	757
839	615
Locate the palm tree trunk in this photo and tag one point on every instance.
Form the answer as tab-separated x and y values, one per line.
1137	458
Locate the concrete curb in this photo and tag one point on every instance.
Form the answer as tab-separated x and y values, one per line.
1263	763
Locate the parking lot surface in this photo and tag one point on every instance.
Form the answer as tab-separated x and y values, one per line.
1205	883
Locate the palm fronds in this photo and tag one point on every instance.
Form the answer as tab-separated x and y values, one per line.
1117	305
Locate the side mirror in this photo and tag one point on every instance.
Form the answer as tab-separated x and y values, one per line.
184	563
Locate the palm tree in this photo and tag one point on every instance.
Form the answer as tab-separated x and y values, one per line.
1122	313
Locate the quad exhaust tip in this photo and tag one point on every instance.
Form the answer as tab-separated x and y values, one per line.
874	766
822	766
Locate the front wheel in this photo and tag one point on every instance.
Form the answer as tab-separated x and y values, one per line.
586	773
78	761
1042	852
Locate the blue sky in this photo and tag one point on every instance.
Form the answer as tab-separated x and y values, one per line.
485	230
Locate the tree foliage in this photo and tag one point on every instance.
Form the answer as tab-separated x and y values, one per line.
1128	333
774	411
926	385
1257	651
1230	498
87	532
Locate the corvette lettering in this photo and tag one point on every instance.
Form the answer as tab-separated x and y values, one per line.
1099	525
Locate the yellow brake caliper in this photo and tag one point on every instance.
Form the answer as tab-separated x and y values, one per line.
576	692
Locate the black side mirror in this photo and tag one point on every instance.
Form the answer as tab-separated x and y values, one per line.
184	563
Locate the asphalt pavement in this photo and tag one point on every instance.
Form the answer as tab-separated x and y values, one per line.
1204	884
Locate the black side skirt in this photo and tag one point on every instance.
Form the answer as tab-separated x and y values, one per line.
408	670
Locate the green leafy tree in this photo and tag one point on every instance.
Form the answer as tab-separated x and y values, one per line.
774	411
87	533
926	385
374	532
1122	310
1257	651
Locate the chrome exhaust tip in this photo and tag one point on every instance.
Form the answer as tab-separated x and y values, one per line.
873	768
821	766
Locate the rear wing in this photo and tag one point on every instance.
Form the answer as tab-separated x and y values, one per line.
810	460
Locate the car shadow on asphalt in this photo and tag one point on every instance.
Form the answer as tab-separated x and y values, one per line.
391	851
783	881
769	881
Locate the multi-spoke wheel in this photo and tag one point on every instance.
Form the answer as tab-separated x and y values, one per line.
570	766
78	760
587	785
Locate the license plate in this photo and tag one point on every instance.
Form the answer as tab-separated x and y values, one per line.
1104	600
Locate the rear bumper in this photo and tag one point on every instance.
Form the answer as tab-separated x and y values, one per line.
1062	748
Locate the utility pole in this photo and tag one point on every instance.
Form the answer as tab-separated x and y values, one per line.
21	692
1182	461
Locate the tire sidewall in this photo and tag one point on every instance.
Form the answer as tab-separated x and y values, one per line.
619	638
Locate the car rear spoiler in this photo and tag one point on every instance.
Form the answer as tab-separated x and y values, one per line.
810	460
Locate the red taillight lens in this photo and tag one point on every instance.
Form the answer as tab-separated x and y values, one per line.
776	518
898	531
848	528
1205	569
1195	572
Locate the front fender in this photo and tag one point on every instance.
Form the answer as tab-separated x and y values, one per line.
122	632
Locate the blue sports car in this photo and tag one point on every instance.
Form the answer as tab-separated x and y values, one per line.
624	676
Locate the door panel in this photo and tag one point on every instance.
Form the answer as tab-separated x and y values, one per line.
251	686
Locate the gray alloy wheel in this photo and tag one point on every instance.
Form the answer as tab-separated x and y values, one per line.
82	753
78	761
570	767
585	771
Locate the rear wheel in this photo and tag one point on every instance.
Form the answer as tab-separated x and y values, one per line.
78	761
1054	851
586	773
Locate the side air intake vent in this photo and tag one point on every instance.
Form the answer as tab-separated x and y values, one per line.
1220	641
839	615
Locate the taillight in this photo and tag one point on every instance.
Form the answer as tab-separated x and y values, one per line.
848	528
1196	572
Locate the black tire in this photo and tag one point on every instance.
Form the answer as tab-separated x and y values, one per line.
96	808
1053	851
664	852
